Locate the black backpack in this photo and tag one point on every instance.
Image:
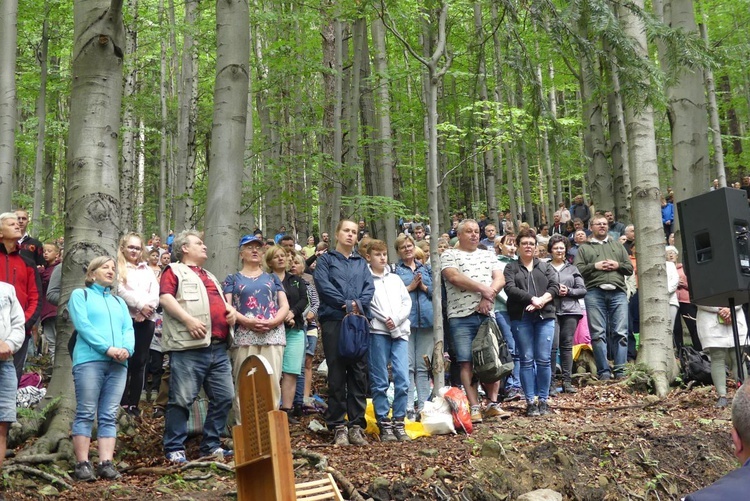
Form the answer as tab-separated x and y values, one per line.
696	366
489	353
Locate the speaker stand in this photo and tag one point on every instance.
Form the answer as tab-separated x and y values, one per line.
737	349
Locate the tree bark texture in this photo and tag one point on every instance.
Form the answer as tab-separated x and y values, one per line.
686	109
8	36
656	339
41	116
223	204
713	113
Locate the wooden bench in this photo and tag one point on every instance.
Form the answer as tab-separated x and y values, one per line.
263	453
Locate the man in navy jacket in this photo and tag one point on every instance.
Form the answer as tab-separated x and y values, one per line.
735	484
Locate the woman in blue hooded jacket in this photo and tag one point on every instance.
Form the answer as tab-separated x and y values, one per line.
418	281
104	342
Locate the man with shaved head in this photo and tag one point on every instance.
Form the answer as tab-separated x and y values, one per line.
735	484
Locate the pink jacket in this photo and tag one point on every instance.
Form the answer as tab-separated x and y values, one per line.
683	293
140	289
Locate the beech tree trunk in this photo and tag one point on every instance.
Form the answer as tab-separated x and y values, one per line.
619	147
713	113
383	117
161	215
92	217
187	101
224	200
41	116
488	157
656	338
8	36
686	109
128	169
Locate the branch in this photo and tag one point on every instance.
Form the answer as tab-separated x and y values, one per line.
401	39
39	473
440	48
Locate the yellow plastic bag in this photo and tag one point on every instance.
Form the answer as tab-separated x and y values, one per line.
413	428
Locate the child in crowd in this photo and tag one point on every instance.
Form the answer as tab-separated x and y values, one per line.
389	342
51	253
12	334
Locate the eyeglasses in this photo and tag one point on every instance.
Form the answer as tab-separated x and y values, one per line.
134	248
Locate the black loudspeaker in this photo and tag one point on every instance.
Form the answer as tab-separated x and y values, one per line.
716	254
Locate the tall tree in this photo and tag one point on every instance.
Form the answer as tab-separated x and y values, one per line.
92	194
656	340
228	135
41	116
186	141
8	36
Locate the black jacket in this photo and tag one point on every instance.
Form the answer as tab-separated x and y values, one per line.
521	285
296	294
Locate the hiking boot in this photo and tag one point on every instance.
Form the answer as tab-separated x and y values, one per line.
605	377
399	431
722	402
83	472
158	413
494	410
553	390
569	388
386	431
297	410
411	415
476	414
107	471
357	436
340	435
532	409
177	457
543	408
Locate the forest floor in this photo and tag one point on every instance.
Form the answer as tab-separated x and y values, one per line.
605	442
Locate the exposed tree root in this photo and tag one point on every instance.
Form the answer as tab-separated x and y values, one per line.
37	458
39	473
320	462
170	470
317	460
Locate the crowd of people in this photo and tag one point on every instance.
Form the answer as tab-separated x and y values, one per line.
153	318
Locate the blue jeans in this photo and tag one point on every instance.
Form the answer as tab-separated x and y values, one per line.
608	311
421	342
99	387
384	349
534	336
513	381
8	391
311	342
463	332
192	369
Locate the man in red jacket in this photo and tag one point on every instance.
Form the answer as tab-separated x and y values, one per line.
22	275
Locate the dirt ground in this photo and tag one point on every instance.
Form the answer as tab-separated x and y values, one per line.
605	442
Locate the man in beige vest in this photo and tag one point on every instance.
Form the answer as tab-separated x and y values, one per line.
197	330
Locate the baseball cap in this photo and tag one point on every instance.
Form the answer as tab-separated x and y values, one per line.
251	238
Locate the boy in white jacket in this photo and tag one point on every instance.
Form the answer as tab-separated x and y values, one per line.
389	342
12	333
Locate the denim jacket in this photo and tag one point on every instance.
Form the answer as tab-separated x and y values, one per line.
338	280
421	301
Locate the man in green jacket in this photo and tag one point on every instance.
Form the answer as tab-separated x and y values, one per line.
604	264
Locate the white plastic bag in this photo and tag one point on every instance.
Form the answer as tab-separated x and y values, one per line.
436	417
323	368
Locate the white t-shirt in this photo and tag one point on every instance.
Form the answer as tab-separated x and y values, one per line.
478	266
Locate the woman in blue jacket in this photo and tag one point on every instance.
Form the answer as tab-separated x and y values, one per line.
344	282
418	281
105	341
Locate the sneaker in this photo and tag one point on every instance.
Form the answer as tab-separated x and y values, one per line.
340	436
543	408
158	413
356	436
386	431
177	457
411	415
399	431
494	410
83	472
476	414
722	402
107	471
532	409
513	394
569	388
553	390
605	377
223	453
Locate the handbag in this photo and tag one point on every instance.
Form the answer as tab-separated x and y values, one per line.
354	337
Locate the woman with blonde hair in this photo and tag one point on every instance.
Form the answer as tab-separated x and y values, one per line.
100	355
278	260
138	287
